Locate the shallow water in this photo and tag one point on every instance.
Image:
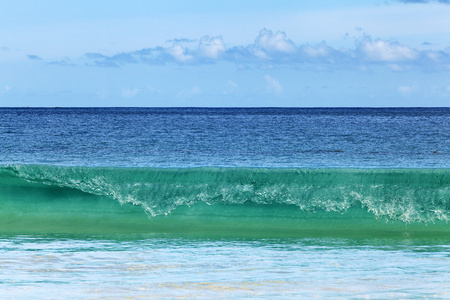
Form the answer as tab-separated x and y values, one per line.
172	267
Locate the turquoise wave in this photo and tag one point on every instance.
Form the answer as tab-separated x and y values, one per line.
225	201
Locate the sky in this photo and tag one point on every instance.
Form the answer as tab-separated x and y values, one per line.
234	53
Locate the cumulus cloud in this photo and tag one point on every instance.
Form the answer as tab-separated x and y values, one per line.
274	43
179	53
276	49
211	47
267	47
383	51
318	51
323	54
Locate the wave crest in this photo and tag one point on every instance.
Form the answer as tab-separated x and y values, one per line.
409	195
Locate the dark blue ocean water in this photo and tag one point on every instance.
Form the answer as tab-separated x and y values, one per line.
224	203
253	137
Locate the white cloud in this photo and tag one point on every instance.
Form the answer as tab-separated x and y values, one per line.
433	55
322	53
321	50
273	85
382	51
274	42
275	49
130	93
211	47
179	53
260	54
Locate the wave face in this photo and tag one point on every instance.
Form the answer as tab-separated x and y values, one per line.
235	200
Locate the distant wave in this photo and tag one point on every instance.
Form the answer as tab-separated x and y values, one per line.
281	201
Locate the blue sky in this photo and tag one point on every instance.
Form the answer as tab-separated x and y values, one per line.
225	53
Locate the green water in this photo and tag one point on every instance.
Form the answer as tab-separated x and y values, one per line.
230	202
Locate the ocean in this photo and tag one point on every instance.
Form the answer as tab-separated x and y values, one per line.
207	203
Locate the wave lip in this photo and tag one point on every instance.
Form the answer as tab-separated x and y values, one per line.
290	200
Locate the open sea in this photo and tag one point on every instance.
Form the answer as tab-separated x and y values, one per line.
274	203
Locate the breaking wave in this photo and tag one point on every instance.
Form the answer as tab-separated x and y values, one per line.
253	199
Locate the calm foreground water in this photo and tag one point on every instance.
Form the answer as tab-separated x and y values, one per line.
230	203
